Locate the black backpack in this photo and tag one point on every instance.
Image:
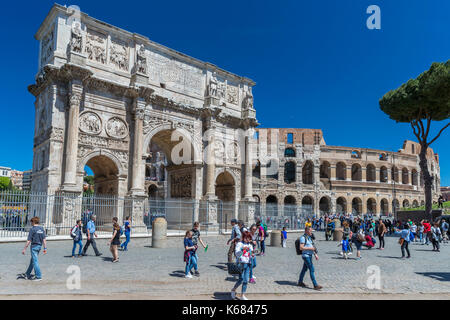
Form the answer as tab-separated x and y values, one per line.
297	246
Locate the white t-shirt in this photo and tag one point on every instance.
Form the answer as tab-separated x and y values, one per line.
244	252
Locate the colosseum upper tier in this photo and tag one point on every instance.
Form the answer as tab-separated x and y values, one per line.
302	171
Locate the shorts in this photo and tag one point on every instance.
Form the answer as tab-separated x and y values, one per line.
358	245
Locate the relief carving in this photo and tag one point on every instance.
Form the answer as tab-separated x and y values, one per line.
141	61
90	123
232	93
96	47
119	55
116	128
181	186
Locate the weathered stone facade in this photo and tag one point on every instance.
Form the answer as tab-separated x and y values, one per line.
105	95
337	179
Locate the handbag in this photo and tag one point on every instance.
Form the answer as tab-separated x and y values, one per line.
400	241
235	268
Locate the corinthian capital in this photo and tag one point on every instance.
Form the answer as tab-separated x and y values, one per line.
74	100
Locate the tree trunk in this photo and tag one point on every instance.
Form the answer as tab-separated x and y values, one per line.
428	180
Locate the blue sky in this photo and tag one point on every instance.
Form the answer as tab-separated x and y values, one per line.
315	63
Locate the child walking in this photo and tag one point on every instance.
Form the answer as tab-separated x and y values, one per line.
283	237
189	254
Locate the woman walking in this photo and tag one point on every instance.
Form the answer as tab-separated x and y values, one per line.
114	242
244	252
189	254
254	233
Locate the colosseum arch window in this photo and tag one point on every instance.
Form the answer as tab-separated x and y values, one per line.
324	205
383	174
325	170
405	177
405	203
422	203
356	206
271	206
371	206
394	174
356	154
356	172
256	172
383	157
307	205
395	204
307	172
341	171
290	206
289	172
415	203
414	176
371	172
341	205
384	206
289	153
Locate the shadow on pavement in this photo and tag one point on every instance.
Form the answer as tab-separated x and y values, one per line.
441	276
389	257
222	296
286	283
178	274
219	267
109	259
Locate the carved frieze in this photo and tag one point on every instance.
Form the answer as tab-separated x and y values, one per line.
141	60
232	94
90	123
96	46
119	54
181	185
116	128
101	142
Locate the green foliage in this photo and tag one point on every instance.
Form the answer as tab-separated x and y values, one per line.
89	180
426	97
446	206
4	183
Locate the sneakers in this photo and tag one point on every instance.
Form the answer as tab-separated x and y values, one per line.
36	279
114	261
188	276
244	297
98	255
197	274
233	294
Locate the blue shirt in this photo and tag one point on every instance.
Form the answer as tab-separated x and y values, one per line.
307	242
404	234
90	226
284	234
127	227
188	243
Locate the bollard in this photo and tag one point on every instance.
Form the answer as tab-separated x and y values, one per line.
275	238
159	233
337	223
337	234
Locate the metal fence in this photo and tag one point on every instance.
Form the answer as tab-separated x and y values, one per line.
59	212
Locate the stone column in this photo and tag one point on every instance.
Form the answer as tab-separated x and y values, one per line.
210	169
71	151
137	180
333	172
349	173
248	192
363	174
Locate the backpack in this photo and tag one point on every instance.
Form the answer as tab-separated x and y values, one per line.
265	229
71	232
297	245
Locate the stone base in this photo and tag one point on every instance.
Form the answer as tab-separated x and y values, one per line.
77	58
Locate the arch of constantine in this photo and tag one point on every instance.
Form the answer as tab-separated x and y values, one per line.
153	123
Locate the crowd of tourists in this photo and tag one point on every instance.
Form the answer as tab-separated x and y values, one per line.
248	243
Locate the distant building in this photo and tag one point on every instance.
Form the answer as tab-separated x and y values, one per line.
26	182
17	178
5	172
445	193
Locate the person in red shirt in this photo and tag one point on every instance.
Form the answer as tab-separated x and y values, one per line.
369	243
426	231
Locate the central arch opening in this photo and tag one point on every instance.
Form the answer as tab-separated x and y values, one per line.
225	187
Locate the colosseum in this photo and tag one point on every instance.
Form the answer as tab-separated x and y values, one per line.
319	178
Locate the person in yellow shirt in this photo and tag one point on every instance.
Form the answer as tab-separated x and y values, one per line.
308	223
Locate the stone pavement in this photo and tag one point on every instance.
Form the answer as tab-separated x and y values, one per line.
158	273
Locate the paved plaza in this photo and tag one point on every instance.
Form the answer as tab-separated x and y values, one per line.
144	272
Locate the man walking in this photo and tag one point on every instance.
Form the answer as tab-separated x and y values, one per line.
36	237
381	232
404	240
235	237
308	250
90	232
